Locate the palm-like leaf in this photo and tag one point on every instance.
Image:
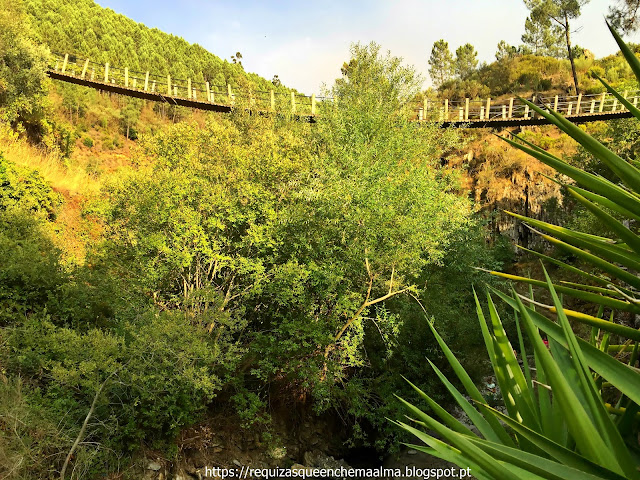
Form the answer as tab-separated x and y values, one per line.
557	425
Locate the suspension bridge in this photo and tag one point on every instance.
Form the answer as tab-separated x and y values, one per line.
467	113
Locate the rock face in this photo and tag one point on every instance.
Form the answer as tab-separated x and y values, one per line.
317	459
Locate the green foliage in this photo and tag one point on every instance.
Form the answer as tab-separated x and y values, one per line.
542	37
624	15
572	433
22	74
30	267
23	188
292	234
466	61
31	439
440	63
160	372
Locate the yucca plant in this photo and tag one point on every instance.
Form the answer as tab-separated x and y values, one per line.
556	423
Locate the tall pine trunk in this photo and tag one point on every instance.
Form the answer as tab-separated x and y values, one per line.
573	65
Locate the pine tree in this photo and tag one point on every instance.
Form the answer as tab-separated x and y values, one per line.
558	13
542	38
440	63
466	61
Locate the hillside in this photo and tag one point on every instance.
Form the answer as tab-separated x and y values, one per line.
85	28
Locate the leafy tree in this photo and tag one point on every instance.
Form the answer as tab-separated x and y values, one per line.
129	116
505	51
466	61
440	63
22	72
624	15
547	13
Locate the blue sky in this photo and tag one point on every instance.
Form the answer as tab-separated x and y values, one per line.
305	43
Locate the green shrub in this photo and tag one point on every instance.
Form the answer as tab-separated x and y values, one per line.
30	268
87	142
25	189
159	374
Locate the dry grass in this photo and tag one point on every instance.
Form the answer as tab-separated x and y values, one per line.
69	181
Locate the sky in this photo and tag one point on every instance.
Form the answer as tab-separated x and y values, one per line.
306	43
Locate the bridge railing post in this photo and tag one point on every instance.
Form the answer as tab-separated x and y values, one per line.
273	100
466	109
504	112
169	85
460	114
64	63
533	112
189	88
84	69
511	107
208	91
601	107
569	107
578	104
146	81
481	112
230	94
106	72
555	103
488	109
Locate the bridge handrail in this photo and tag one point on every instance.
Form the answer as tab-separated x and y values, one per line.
474	110
171	87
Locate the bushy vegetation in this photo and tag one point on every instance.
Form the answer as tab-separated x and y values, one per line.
265	258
